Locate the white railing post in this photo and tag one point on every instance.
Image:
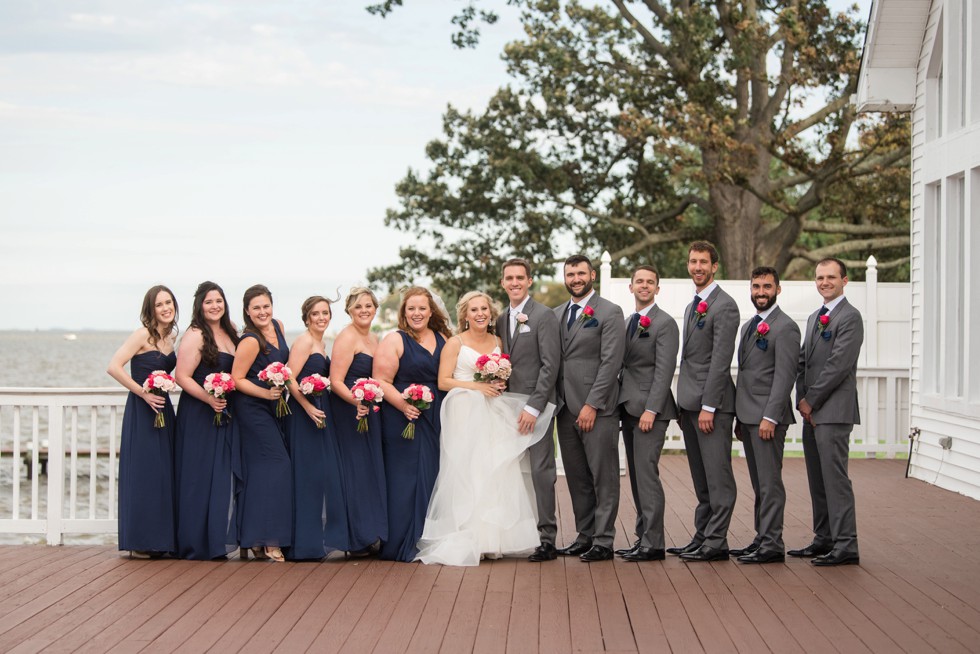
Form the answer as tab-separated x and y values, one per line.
56	472
871	334
605	272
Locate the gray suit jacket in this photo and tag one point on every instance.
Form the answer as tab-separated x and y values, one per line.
766	376
591	357
706	359
827	368
535	354
648	368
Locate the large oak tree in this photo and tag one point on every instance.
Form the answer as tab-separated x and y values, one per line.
636	127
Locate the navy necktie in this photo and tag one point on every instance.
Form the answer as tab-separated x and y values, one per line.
694	307
756	319
634	322
572	315
816	323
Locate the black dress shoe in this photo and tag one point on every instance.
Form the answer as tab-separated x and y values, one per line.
706	553
752	547
597	553
690	547
811	550
762	556
645	554
575	549
628	550
836	558
543	552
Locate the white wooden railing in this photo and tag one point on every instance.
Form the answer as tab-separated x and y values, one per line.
74	435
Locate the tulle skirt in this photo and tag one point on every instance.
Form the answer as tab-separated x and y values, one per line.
483	502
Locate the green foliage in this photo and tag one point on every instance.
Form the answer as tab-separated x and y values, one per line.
636	133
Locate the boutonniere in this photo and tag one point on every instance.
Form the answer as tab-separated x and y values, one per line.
823	322
701	312
521	320
587	313
761	341
643	325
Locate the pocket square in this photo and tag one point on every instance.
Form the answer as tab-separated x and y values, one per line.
826	334
523	329
644	335
701	324
762	344
592	323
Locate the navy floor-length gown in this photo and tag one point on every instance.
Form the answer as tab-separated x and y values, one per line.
208	472
266	506
362	462
319	512
147	500
411	466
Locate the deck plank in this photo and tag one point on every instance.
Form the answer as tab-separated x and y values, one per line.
917	590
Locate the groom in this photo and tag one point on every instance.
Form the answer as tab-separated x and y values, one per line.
529	332
593	339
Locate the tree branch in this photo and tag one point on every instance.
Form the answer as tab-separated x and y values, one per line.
649	38
851	246
814	226
813	119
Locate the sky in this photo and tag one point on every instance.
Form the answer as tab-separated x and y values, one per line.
240	141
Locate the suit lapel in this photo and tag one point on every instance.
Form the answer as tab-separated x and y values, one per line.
743	346
528	311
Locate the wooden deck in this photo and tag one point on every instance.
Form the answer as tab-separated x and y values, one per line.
917	590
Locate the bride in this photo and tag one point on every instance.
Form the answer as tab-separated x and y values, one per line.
483	503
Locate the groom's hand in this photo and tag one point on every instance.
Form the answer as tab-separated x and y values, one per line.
526	422
586	419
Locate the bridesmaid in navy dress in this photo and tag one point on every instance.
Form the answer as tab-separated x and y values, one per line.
319	514
360	453
410	356
208	471
147	521
266	506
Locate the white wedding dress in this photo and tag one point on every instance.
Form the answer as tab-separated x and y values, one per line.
483	502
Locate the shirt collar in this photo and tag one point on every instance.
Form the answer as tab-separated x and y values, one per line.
520	307
833	303
645	310
765	314
585	300
708	290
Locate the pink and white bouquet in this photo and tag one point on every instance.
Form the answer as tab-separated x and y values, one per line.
277	374
314	386
219	384
367	391
159	382
421	398
492	367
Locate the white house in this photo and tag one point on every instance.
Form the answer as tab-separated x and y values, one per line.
923	57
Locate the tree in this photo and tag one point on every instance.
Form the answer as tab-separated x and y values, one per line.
639	126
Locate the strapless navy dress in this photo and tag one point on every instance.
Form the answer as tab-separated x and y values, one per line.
147	514
362	463
266	506
208	473
319	514
411	466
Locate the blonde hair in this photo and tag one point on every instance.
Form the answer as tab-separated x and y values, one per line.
357	292
462	324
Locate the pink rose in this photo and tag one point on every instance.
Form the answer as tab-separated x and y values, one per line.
644	322
588	311
824	320
702	307
762	329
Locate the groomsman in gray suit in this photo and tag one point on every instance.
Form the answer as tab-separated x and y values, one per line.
767	357
530	335
592	338
706	397
826	395
646	407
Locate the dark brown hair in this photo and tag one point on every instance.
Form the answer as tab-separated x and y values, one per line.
516	261
843	268
762	271
704	246
251	293
576	259
148	316
311	302
209	349
647	267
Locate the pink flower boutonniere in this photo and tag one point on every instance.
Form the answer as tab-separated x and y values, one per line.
587	313
823	324
644	324
521	319
701	312
762	329
760	336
